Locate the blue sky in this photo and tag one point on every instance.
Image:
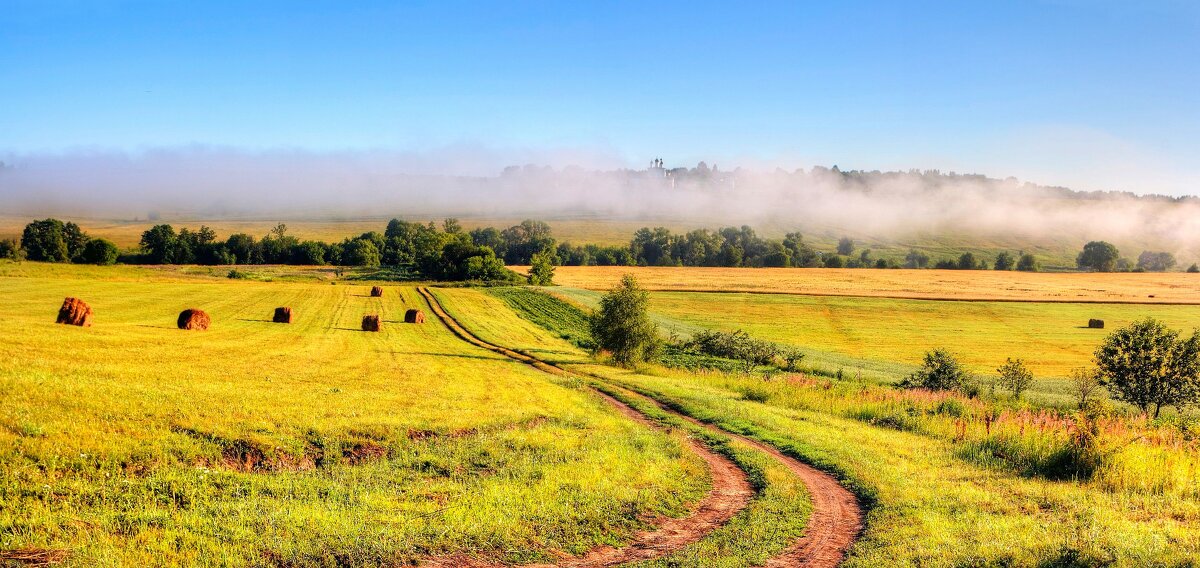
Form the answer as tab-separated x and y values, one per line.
1097	95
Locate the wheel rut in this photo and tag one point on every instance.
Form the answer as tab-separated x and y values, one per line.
730	493
835	523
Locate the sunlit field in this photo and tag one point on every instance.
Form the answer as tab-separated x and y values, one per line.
1154	288
132	442
944	485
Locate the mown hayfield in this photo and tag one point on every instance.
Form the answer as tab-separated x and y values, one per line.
1051	337
134	443
1150	288
934	498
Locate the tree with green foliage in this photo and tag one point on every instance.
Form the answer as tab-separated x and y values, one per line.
158	244
1015	377
541	271
45	241
622	325
845	246
244	248
75	239
10	249
1098	256
1150	366
1193	269
967	262
916	259
1151	261
99	251
940	371
1004	261
308	253
834	261
1028	263
361	252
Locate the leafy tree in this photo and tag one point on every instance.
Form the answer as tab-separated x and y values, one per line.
1149	366
916	259
525	240
622	325
361	252
45	241
1005	261
1193	269
99	251
845	246
488	237
1027	263
244	249
1015	377
1156	261
967	262
308	253
158	243
940	371
541	273
1098	256
834	261
10	249
75	239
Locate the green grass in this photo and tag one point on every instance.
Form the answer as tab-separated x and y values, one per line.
134	443
934	501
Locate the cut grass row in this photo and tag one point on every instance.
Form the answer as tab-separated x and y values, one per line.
931	505
134	443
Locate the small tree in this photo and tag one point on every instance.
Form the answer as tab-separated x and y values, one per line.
1193	269
1086	384
1150	366
1151	261
10	249
1015	377
1099	256
622	325
916	259
541	273
941	371
99	251
845	246
1027	263
1004	261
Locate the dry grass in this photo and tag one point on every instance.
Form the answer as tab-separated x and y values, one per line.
1151	288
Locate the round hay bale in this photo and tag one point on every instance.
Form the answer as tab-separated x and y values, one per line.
282	315
75	312
376	292
414	316
192	318
1096	324
370	322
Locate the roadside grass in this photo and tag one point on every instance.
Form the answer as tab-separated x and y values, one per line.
134	443
940	500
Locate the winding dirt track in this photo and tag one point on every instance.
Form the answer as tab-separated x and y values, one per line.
836	519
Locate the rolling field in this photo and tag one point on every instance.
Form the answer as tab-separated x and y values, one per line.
1051	337
134	443
1143	288
934	499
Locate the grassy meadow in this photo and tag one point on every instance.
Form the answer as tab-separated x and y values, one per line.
944	486
133	443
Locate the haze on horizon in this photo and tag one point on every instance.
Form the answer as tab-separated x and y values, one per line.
120	106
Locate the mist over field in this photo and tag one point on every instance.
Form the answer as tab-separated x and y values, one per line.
465	181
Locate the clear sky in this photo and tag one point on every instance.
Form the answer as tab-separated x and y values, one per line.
1092	94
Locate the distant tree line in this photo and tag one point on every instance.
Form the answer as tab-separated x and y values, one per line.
449	252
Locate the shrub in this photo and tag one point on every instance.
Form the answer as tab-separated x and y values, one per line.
738	345
10	250
1193	269
940	371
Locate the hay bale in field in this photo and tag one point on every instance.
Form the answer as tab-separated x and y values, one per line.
1096	324
376	292
370	322
192	318
414	316
75	312
282	315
